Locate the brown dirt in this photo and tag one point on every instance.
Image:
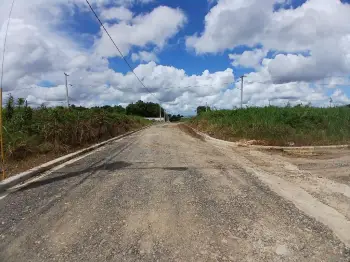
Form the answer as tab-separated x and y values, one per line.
188	130
16	166
226	133
333	164
318	184
324	174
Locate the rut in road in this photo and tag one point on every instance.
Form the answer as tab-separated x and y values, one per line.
159	195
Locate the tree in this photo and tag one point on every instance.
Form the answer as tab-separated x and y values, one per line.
119	109
202	109
10	107
20	102
107	108
175	118
143	109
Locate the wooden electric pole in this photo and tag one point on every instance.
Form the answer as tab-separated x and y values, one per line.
67	96
242	77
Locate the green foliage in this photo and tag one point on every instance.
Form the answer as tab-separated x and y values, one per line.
28	130
10	107
175	118
300	125
20	102
202	109
143	109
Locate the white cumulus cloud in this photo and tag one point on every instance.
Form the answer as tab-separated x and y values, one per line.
154	28
318	28
118	13
248	59
39	50
144	56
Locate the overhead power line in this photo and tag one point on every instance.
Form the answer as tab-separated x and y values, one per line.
333	84
126	61
3	174
4	48
121	54
32	87
226	83
321	84
48	88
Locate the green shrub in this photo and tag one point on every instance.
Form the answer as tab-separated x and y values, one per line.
300	125
41	130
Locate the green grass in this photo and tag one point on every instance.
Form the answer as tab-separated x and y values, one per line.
34	131
278	126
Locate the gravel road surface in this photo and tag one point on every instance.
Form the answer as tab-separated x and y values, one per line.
163	194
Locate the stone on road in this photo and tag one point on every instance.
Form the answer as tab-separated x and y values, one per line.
158	195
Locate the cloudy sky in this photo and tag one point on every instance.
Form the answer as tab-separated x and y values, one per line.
187	53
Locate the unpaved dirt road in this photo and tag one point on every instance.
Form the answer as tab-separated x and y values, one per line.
164	194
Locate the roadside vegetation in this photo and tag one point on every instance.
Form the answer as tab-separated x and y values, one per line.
36	132
288	126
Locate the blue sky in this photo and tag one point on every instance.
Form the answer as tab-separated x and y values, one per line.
83	27
185	51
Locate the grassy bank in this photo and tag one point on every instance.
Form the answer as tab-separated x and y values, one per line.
278	126
45	133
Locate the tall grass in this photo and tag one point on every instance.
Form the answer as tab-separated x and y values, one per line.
279	126
28	131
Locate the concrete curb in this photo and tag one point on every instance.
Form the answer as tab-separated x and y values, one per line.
21	177
300	149
294	148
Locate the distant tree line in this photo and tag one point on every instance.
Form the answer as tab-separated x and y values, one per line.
107	108
175	118
140	108
145	109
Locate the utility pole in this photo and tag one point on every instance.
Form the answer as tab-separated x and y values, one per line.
330	102
206	106
3	174
242	77
67	97
160	112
